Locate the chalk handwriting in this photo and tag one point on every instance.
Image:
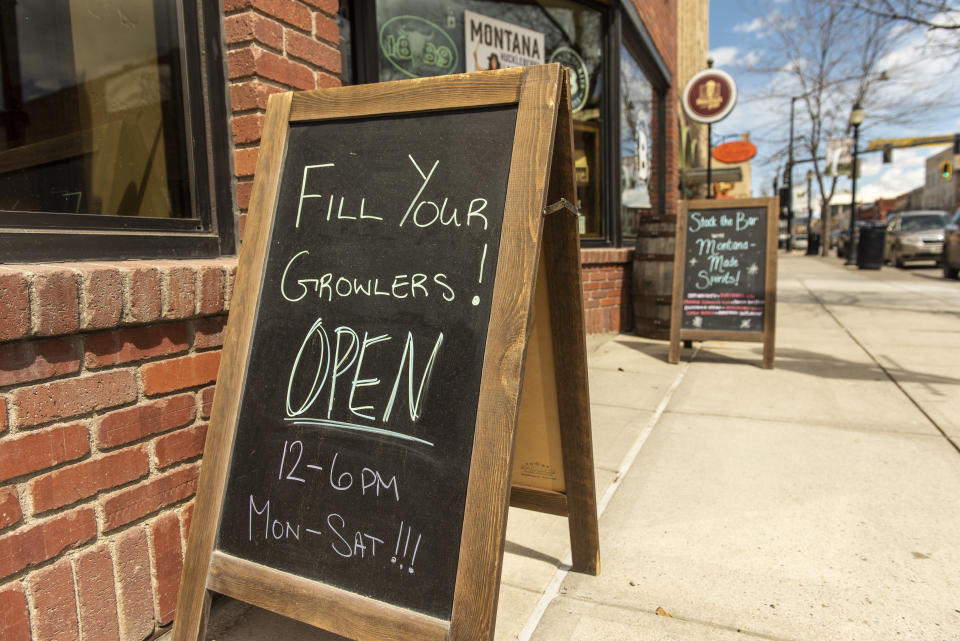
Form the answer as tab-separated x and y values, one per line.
315	359
331	286
346	542
369	481
723	260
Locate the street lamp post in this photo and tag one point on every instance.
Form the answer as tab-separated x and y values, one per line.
789	178
811	249
709	154
856	118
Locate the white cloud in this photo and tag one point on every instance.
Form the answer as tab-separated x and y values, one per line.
732	57
907	172
723	56
891	183
903	159
750	27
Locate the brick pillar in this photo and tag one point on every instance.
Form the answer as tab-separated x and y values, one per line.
273	46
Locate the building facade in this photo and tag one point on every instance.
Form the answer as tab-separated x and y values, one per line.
939	191
693	45
129	134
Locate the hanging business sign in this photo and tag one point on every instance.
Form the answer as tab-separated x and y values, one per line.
839	155
495	44
709	96
735	151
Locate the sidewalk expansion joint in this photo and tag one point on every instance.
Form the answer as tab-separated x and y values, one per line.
890	376
846	427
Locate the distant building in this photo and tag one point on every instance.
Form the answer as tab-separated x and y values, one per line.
693	44
909	200
878	210
839	211
939	193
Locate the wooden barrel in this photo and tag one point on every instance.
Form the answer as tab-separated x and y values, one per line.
653	275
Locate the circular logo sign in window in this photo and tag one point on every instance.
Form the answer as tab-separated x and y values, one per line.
709	96
417	47
579	78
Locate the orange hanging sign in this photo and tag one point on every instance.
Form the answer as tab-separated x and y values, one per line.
735	151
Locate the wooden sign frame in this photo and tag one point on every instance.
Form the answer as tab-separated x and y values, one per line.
768	335
541	181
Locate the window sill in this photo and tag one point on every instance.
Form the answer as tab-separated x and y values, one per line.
605	255
54	299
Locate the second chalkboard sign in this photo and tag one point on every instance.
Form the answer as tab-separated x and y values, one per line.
725	273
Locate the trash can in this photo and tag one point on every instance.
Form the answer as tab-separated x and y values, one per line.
813	244
870	246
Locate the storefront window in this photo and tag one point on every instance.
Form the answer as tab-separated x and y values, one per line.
92	109
345	30
637	103
418	38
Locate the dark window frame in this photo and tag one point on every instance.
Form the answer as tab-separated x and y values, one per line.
621	23
635	38
209	232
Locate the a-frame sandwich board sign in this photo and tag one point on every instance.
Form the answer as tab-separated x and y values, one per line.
357	471
725	274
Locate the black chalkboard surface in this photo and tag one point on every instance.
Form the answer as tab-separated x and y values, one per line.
725	277
356	424
725	273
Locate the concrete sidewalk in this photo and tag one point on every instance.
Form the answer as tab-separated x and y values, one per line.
819	500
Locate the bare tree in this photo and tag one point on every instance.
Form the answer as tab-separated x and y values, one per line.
932	14
825	57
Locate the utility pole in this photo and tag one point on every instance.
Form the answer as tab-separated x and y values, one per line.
789	181
856	118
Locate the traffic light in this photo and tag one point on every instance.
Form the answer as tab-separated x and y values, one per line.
956	144
887	154
946	170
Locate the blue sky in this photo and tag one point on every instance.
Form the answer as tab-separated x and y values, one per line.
736	39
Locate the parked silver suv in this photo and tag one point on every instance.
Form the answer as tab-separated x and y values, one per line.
915	235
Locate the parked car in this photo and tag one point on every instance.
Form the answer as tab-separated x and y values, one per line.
892	222
834	237
950	259
799	236
915	235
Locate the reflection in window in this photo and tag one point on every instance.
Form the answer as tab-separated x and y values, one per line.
419	38
345	29
91	117
636	155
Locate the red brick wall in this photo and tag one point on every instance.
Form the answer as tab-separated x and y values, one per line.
106	381
273	46
606	289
